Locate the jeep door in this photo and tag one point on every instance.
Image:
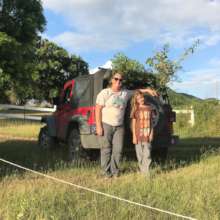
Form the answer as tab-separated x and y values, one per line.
64	109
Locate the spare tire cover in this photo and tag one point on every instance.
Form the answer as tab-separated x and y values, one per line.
159	114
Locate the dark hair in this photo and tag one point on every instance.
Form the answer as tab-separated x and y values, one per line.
114	72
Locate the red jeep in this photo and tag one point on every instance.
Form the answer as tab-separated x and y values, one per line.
74	120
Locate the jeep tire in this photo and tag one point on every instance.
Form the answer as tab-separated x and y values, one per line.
74	145
160	154
45	141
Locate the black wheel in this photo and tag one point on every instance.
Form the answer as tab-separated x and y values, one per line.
45	141
93	154
74	145
160	154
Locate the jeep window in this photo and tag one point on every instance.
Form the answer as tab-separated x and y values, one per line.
66	97
82	92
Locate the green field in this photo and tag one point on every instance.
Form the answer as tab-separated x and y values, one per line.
188	183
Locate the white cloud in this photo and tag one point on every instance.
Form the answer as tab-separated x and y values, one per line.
202	83
83	42
112	24
107	65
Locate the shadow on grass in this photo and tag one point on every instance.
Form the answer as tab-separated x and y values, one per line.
191	149
28	154
186	152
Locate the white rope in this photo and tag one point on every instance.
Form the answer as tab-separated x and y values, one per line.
97	192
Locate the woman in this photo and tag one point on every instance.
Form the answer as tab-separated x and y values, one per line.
110	109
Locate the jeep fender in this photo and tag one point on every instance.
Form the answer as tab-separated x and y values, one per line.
88	138
51	124
80	122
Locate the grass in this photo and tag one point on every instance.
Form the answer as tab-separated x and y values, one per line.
19	128
192	190
207	121
188	183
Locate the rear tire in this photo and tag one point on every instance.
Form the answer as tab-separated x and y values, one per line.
160	154
74	145
45	141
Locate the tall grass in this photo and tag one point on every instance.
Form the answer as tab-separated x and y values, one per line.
193	191
188	183
19	128
207	121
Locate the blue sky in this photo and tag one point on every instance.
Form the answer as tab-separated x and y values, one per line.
97	29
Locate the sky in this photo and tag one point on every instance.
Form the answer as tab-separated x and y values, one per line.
96	30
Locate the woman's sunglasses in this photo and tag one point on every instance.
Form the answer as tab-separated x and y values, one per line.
118	79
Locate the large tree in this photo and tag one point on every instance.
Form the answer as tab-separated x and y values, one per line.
20	23
161	69
55	66
135	74
164	68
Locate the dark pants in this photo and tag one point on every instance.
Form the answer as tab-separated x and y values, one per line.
111	148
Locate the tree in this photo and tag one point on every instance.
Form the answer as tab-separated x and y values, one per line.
21	19
166	69
20	23
135	74
55	66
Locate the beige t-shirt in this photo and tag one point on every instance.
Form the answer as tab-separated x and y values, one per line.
114	104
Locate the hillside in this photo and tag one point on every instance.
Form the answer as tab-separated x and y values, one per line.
206	112
182	99
186	100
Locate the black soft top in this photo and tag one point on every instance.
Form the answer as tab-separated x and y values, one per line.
87	87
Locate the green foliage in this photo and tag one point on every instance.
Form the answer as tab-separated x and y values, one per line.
161	71
16	64
181	100
22	20
207	120
163	67
20	23
166	69
135	75
55	66
9	57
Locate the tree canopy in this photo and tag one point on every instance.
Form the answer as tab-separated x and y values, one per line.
29	66
22	19
20	23
135	74
160	69
55	66
34	68
165	69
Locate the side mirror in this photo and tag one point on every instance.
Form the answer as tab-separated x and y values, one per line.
56	100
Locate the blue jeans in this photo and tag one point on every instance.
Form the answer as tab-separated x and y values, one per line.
143	152
111	148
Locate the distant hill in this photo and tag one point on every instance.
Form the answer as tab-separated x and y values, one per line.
212	100
182	99
186	100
